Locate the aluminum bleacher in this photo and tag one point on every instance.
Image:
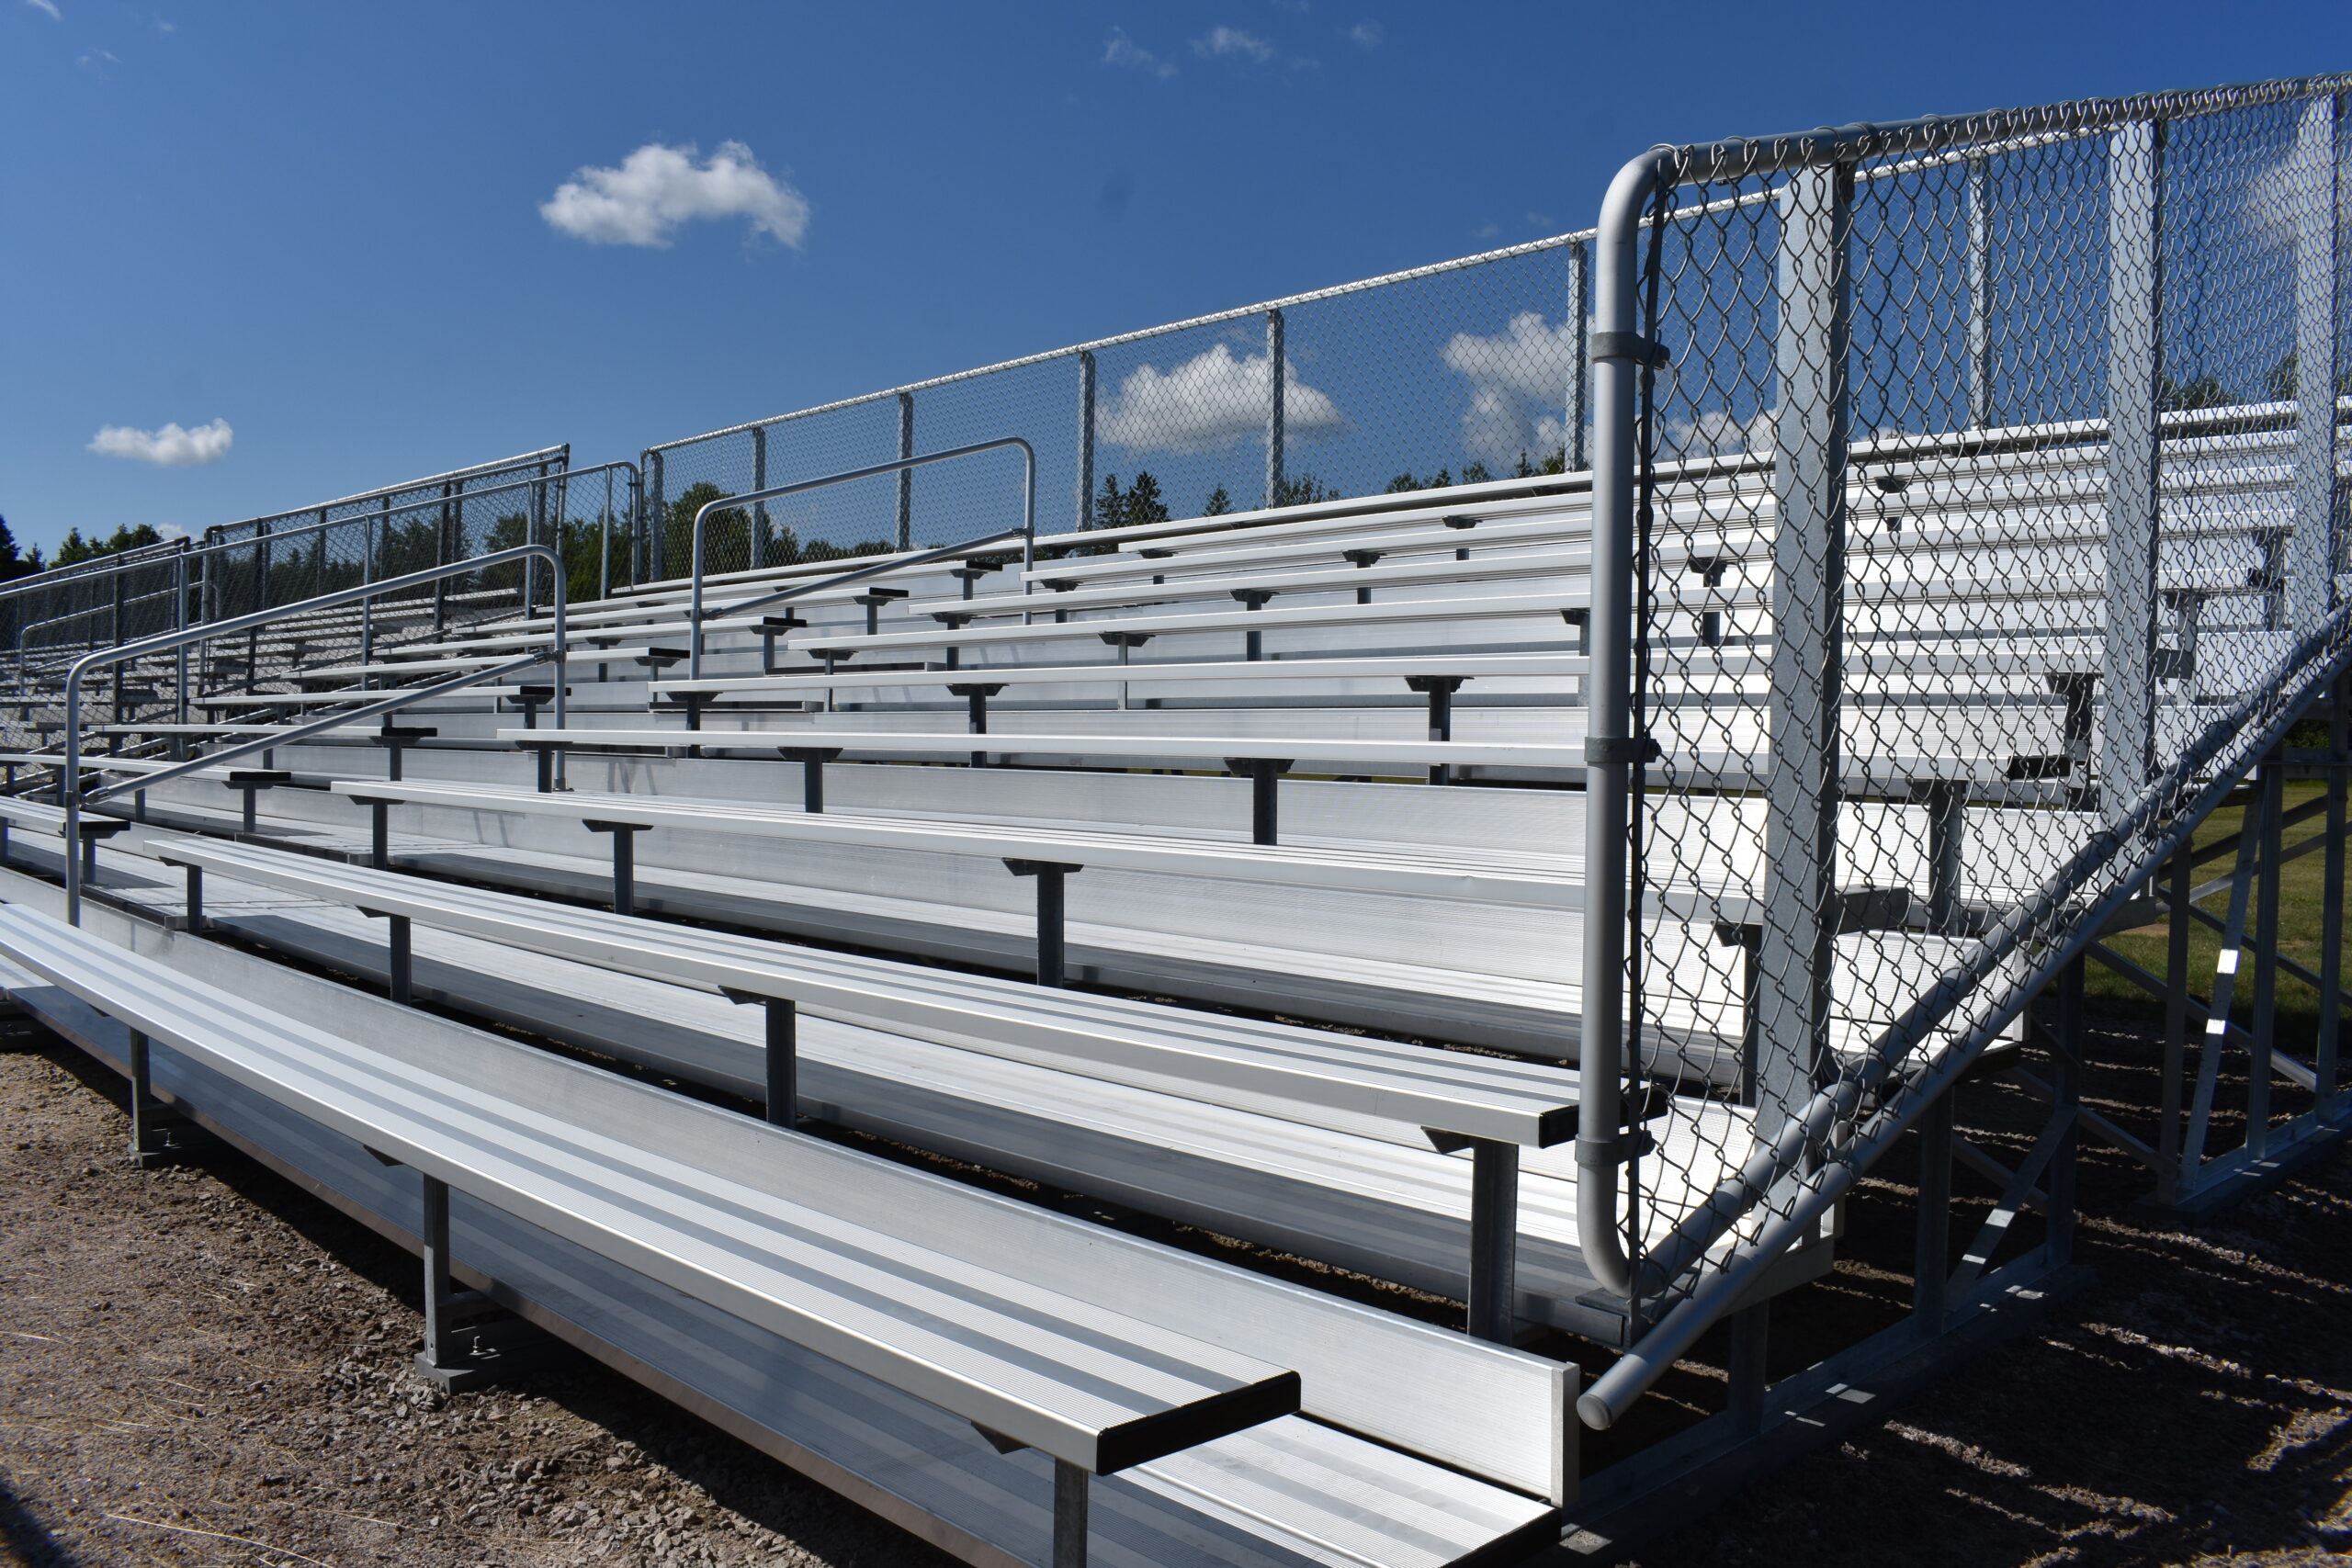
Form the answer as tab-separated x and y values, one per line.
1548	894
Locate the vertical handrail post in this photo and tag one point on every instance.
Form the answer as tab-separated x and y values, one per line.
2134	299
1617	369
1276	365
906	475
1575	453
1085	485
1980	294
1795	949
2312	548
759	509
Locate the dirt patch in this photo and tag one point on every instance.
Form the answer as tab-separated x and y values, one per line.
2194	1406
203	1365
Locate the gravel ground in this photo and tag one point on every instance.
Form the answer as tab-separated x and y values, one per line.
202	1365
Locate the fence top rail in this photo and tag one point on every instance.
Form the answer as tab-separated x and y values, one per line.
1738	157
1142	334
559	452
562	476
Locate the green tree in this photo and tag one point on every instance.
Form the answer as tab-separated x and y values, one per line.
12	563
1406	481
1115	508
1302	491
2202	391
76	549
1110	508
1217	504
1556	462
1145	503
2281	382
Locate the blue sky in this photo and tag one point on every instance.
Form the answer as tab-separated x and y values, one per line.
328	226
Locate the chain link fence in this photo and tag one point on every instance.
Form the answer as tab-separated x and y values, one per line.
1982	516
1468	370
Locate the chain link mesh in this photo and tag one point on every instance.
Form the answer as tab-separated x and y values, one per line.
1985	530
1461	372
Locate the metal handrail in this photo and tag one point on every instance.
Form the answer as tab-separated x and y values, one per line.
69	791
1027	531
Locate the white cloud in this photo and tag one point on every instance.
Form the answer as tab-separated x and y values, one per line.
1210	400
657	188
170	447
49	5
1121	49
1518	386
1365	34
1718	433
1232	42
2274	199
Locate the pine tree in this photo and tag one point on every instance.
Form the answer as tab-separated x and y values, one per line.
1217	504
1110	506
1144	502
1302	491
12	563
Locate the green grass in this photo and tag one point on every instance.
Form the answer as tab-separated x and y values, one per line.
2298	936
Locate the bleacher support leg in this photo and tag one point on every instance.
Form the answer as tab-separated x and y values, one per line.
812	760
250	815
1439	690
1931	1248
1947	806
442	1359
1494	1240
400	966
2330	938
546	781
624	862
380	834
783	1061
1751	1341
2270	780
976	697
2066	1080
1051	913
1069	1515
2181	879
1264	774
90	855
143	1106
195	898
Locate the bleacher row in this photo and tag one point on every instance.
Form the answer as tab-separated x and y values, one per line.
1227	869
